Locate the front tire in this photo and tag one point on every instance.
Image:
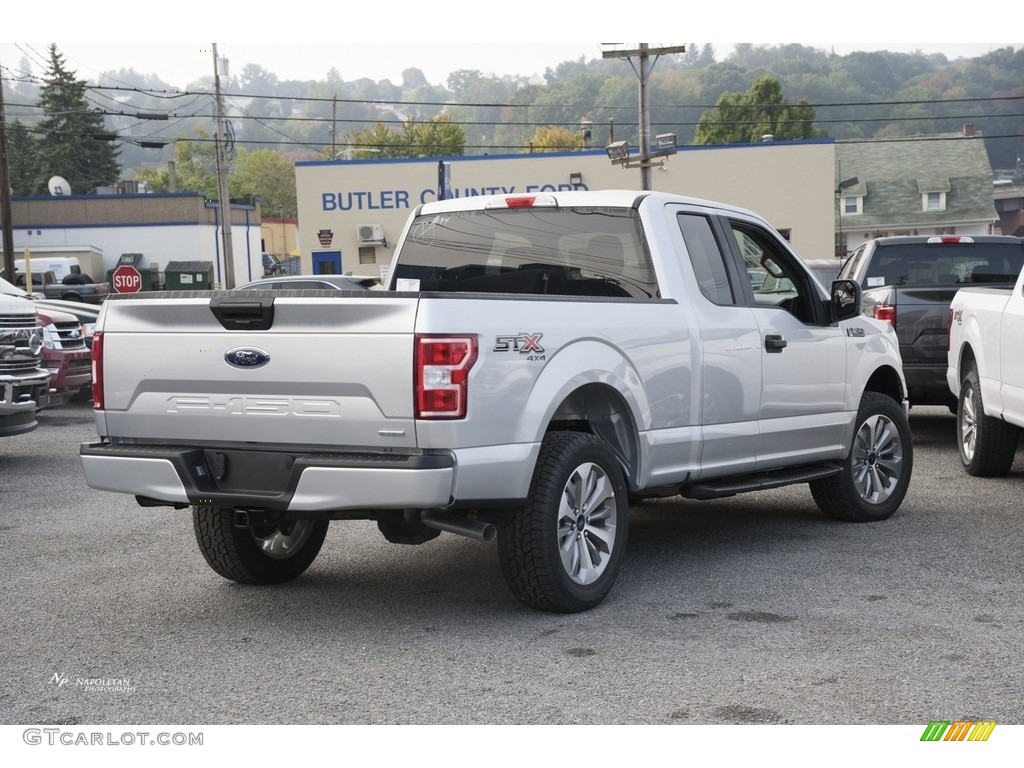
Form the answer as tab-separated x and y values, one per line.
563	551
876	473
987	445
256	554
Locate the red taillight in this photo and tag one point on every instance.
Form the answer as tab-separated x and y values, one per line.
97	371
520	202
441	369
886	312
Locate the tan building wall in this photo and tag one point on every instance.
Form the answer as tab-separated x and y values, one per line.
791	184
280	236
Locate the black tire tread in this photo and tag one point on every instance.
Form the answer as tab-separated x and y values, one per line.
835	495
995	445
533	575
232	553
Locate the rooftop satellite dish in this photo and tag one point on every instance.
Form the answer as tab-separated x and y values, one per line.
59	186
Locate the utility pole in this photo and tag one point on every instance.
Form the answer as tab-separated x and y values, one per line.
222	179
334	127
643	53
5	194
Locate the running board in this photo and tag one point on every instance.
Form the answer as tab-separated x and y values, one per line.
730	486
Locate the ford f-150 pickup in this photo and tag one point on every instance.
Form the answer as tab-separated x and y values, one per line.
537	363
909	281
986	373
23	380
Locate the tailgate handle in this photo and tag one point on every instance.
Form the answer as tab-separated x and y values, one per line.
248	314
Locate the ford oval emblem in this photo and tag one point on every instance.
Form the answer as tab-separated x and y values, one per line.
246	357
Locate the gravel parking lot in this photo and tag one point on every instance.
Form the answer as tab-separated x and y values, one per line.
748	610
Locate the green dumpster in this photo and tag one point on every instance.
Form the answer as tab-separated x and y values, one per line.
188	276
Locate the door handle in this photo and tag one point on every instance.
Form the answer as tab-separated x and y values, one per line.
774	343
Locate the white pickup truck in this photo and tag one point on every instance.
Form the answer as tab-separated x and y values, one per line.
985	370
538	362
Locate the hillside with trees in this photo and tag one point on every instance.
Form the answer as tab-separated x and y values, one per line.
790	91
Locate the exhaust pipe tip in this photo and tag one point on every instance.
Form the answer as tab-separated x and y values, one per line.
445	521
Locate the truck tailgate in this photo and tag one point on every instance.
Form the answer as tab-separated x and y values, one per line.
329	370
922	317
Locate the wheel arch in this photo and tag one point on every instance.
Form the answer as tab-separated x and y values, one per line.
602	411
966	359
590	386
887	380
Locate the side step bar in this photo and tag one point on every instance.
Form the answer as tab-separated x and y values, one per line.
730	486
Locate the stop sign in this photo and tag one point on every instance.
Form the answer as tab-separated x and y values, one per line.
127	279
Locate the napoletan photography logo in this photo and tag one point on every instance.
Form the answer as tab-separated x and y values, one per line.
94	685
958	730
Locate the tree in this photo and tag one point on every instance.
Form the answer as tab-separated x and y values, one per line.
413	78
195	168
266	174
433	137
553	138
21	151
762	110
74	141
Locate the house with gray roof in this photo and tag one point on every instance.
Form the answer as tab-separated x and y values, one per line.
939	184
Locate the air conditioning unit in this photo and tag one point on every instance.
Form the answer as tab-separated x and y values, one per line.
370	234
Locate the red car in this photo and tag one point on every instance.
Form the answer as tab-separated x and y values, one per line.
65	355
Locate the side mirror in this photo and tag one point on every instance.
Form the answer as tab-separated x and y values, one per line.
846	297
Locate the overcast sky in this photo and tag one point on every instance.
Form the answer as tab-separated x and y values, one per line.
179	64
304	39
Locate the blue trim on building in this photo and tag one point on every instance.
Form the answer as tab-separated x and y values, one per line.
102	225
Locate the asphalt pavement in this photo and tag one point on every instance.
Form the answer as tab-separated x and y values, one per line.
748	610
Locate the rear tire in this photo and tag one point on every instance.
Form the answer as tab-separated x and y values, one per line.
876	473
987	445
563	551
258	554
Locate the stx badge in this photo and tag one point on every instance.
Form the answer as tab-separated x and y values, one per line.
523	343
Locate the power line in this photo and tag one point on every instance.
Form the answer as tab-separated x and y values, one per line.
157	93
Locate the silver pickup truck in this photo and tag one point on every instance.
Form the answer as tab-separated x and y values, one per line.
24	382
538	363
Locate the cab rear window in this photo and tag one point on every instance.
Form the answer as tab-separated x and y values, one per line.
559	251
945	264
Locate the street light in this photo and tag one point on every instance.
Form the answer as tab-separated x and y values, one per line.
618	151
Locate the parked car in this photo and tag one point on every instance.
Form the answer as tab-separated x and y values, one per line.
910	282
73	287
272	265
23	379
65	356
86	313
313	282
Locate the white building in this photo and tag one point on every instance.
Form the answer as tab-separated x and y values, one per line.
162	227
